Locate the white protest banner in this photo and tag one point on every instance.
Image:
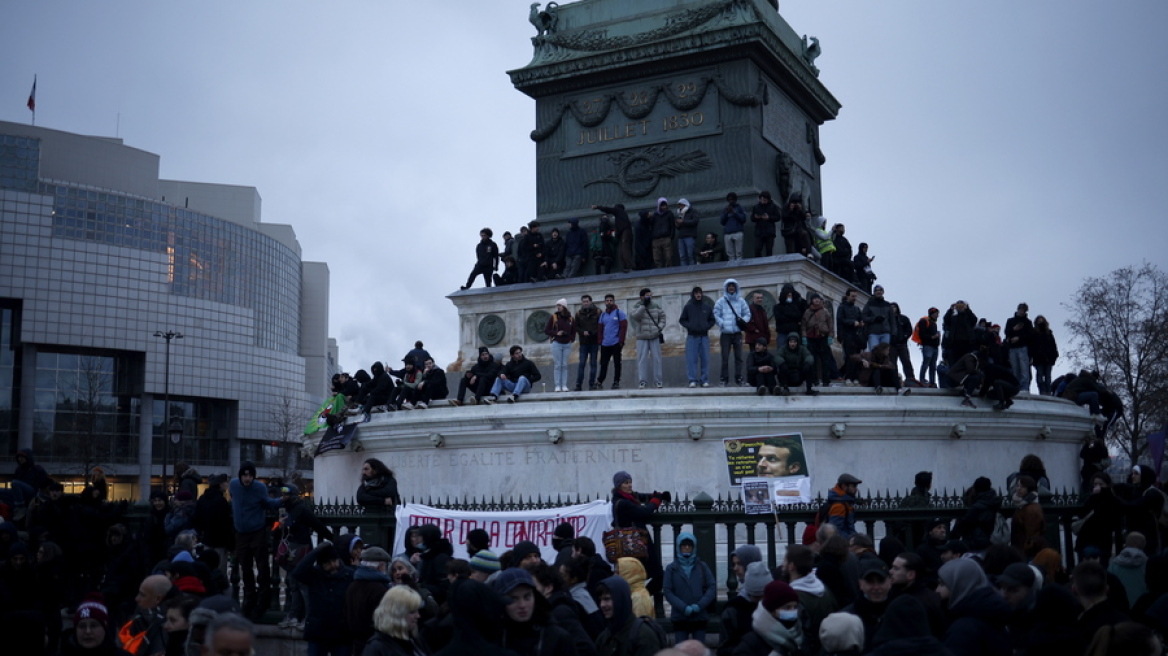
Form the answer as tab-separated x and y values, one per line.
506	528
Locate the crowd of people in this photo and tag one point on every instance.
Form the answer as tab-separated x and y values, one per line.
665	237
77	578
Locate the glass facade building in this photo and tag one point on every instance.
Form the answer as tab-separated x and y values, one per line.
97	254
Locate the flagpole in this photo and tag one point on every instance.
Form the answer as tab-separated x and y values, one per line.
32	99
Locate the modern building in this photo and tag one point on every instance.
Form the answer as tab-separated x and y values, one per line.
102	265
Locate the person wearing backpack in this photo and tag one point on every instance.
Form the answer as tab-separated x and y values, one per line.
624	633
690	588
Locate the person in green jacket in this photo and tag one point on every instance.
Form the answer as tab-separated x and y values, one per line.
795	365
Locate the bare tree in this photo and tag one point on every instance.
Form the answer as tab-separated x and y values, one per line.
1119	327
90	441
285	427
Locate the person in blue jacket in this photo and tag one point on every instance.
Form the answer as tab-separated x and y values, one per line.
690	588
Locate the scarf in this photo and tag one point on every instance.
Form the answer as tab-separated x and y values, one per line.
781	639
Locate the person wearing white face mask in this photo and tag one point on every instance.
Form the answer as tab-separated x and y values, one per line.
776	622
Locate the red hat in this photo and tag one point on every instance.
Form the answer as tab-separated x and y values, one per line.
777	594
93	608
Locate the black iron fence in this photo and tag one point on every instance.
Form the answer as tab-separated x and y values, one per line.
719	524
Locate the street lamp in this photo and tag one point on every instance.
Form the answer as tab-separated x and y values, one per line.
173	425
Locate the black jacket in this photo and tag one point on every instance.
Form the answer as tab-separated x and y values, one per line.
764	218
302	521
663	224
697	317
383	645
380	387
789	316
487	254
513	370
978	625
325	621
213	519
375	492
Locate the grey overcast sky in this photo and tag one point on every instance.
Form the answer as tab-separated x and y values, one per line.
995	151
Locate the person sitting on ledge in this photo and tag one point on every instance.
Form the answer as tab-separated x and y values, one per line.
711	250
407	392
479	378
433	385
761	370
875	368
518	375
510	274
795	365
557	254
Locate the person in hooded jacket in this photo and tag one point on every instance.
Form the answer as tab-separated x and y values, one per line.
776	625
431	561
738	613
633	572
697	318
664	227
575	248
731	312
794	227
486	259
905	632
479	378
528	628
977	614
690	587
1043	353
644	240
624	633
533	255
733	220
557	250
603	246
686	224
1103	514
380	390
1143	503
788	311
478	613
213	519
28	479
862	264
958	327
796	365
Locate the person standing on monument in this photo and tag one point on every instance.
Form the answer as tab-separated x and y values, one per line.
562	331
733	224
663	229
764	215
649	328
624	234
731	312
697	318
794	226
687	232
613	326
757	324
532	256
587	322
576	248
1019	334
486	259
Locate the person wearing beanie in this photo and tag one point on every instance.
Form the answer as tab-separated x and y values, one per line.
776	623
796	365
633	510
562	541
690	587
526	554
738	613
250	503
370	583
697	318
326	579
762	371
562	330
477	540
91	631
624	634
740	559
483	564
479	379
